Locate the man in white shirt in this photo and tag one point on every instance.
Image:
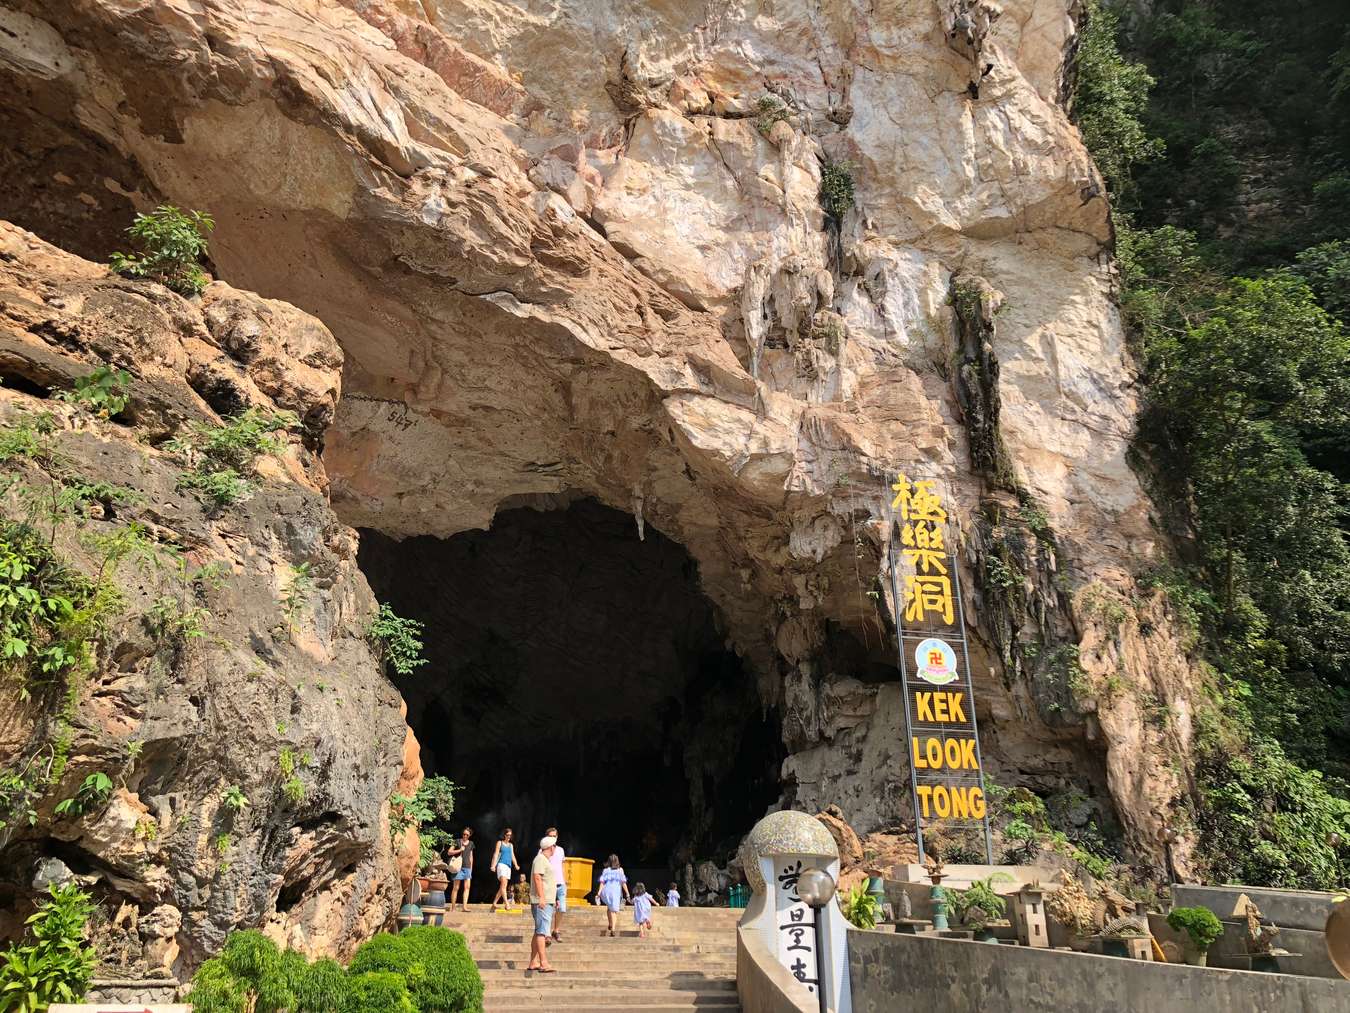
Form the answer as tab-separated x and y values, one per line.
557	860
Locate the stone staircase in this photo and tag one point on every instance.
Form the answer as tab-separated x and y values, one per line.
687	962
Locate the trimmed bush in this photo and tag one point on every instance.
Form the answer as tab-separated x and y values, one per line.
377	992
435	962
424	969
322	987
1199	923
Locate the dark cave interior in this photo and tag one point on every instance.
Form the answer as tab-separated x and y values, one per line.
577	676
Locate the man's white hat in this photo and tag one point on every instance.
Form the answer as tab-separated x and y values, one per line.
547	842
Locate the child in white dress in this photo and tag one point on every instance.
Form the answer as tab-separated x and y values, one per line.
642	909
673	896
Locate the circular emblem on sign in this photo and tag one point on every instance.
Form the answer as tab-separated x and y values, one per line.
935	661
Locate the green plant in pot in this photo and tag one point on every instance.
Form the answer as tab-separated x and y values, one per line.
1201	926
861	908
978	905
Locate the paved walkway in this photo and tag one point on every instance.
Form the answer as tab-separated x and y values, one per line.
688	962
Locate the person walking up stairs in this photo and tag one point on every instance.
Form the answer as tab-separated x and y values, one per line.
686	962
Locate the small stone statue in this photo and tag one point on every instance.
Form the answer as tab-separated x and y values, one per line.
1260	938
906	906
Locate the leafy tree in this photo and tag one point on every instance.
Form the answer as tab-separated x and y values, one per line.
1110	97
171	242
1326	268
1250	101
396	640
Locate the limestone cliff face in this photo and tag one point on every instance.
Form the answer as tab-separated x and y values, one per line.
578	248
251	698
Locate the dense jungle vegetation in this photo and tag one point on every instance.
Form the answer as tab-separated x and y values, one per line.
1220	128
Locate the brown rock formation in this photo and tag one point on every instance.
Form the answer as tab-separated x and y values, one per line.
176	720
562	259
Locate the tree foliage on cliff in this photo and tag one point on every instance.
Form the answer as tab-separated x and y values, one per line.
1235	287
1110	97
171	242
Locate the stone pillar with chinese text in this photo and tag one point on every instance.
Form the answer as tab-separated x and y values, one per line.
774	854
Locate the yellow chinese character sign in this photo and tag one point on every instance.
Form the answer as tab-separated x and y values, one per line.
946	770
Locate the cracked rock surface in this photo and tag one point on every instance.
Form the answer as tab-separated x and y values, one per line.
564	252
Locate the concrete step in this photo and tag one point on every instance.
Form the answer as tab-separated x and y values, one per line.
693	916
563	980
697	963
610	1001
599	942
687	962
681	954
533	1005
644	973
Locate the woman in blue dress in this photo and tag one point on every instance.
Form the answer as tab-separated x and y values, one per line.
613	889
503	864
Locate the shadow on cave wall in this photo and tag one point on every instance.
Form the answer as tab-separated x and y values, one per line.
578	675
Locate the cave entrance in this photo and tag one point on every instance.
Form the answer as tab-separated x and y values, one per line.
577	674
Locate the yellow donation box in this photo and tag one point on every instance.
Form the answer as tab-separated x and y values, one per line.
577	875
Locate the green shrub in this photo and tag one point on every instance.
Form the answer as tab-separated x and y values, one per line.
216	989
377	992
249	975
58	964
860	908
836	188
321	987
396	640
103	392
435	962
221	456
218	488
770	109
171	242
92	794
38	604
980	903
1200	923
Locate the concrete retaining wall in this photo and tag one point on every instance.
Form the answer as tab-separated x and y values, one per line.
1300	914
894	972
1295	909
763	984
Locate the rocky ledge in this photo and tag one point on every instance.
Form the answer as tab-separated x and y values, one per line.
218	675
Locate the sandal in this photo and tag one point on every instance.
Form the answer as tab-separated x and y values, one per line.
547	970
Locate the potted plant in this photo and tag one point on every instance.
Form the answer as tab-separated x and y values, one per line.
1201	926
978	905
860	908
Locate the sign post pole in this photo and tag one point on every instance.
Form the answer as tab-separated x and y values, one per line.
941	732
